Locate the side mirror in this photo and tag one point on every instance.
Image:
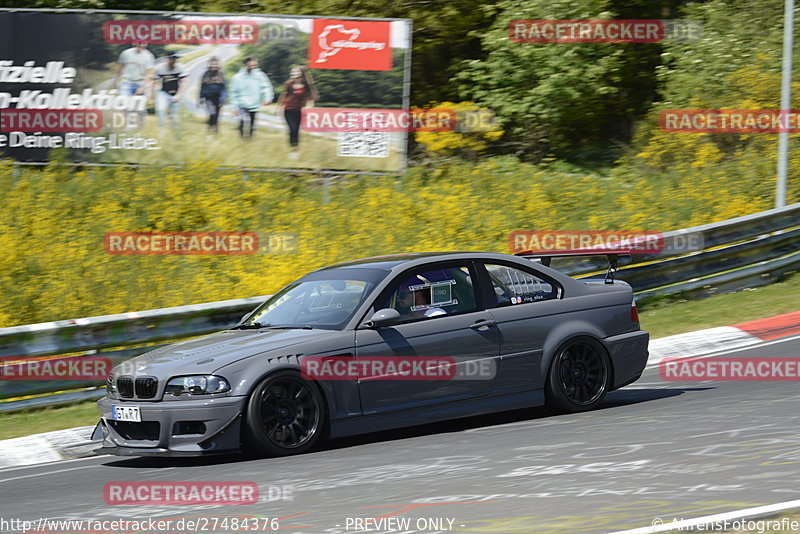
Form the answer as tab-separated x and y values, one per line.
384	317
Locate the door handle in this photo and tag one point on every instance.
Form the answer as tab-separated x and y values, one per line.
482	323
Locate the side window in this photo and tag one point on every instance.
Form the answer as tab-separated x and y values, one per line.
514	286
429	293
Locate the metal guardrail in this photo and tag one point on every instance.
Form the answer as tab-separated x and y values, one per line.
130	333
123	329
738	253
714	235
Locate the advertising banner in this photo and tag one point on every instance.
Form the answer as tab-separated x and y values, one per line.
170	89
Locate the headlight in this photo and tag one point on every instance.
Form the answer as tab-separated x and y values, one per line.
196	385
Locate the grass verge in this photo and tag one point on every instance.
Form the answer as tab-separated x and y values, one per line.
664	319
677	317
18	424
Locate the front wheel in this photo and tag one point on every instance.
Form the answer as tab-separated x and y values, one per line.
579	376
284	416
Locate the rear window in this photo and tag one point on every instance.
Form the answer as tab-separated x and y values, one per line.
514	286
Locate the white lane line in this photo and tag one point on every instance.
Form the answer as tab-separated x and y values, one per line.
158	470
46	473
659	525
45	464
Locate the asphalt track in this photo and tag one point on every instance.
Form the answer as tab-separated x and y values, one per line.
655	449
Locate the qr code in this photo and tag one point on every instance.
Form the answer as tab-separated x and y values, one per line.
363	144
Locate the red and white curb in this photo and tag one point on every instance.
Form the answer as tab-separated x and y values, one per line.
48	447
76	442
723	338
699	343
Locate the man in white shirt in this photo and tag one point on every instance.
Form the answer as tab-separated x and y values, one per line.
171	77
134	69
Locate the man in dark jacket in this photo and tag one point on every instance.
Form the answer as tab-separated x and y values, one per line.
212	93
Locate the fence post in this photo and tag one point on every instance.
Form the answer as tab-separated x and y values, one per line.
326	188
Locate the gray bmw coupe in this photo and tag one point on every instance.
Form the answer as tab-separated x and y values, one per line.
380	343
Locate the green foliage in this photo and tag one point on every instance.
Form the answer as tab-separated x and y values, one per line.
736	66
556	96
143	5
737	34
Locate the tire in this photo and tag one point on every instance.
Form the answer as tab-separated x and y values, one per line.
579	376
285	415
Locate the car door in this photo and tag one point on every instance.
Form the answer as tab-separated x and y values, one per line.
441	315
526	305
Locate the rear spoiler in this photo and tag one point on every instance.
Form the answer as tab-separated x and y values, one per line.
547	256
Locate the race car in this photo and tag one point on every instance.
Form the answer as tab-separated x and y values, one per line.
380	343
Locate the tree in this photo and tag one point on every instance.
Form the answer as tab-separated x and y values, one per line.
737	65
559	96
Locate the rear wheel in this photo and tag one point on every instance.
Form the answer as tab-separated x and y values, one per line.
579	376
284	416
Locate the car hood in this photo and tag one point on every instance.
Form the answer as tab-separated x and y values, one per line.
207	354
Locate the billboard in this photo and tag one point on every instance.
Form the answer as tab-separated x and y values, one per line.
242	91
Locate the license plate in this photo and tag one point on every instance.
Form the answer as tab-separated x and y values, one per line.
127	413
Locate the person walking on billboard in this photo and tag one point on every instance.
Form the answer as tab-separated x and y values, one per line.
134	70
250	88
298	91
212	93
172	78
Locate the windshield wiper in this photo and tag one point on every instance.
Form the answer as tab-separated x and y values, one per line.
291	327
250	326
256	325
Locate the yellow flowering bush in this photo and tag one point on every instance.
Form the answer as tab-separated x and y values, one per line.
475	131
53	220
733	172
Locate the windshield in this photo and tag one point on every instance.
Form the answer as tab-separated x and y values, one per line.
312	303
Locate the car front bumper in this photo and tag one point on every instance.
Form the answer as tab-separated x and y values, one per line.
172	428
